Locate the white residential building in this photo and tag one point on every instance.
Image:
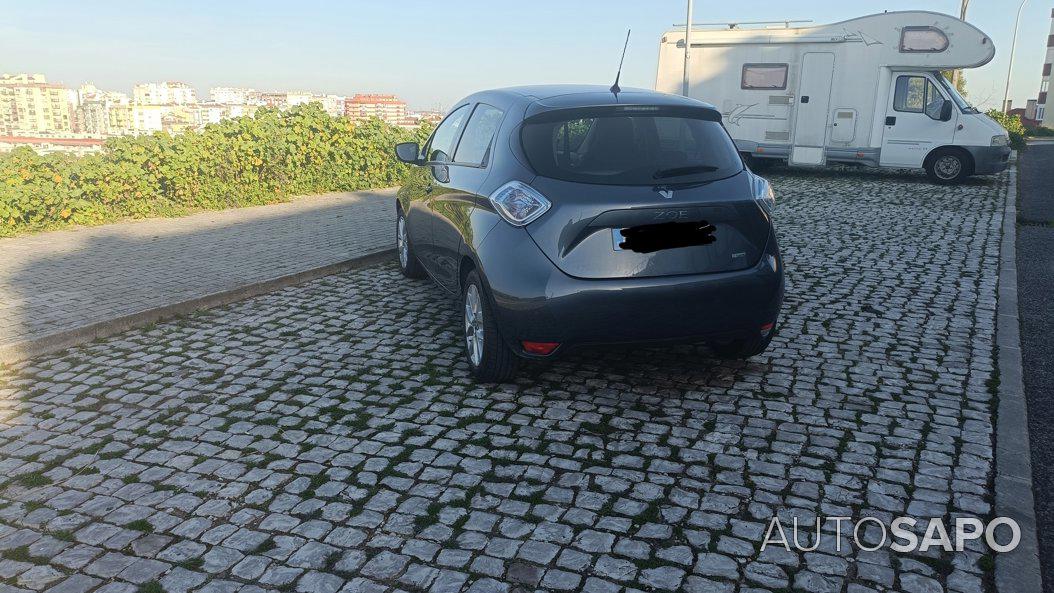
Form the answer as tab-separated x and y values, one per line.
333	104
294	98
164	93
230	95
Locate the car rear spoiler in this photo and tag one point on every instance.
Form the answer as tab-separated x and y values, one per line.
685	111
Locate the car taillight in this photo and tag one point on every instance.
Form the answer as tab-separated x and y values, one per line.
763	194
519	203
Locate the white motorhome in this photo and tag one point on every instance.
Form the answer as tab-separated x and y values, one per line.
867	90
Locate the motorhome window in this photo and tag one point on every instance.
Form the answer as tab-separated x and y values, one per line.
917	94
771	77
923	39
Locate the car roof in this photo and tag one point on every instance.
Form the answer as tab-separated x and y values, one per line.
539	98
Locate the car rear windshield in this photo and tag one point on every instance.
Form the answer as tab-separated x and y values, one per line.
626	147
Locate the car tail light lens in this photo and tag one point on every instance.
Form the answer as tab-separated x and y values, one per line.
541	348
763	193
519	203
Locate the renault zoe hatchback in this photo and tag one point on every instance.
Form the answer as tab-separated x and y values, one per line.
566	216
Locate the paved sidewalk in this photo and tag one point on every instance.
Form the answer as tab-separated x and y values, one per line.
1035	260
59	281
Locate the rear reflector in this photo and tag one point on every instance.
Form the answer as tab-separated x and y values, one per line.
767	328
540	348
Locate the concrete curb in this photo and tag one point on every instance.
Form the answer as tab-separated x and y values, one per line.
54	342
1017	571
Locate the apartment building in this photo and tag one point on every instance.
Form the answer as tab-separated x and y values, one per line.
1044	83
388	108
164	93
93	111
230	95
30	105
332	104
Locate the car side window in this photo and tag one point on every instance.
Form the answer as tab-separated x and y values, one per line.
442	144
479	132
916	94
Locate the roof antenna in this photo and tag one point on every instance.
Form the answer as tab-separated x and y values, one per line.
615	87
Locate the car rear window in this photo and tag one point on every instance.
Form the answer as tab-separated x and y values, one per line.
629	148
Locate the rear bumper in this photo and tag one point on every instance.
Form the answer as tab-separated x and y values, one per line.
988	160
535	301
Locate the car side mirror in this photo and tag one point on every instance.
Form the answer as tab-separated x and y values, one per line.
408	152
946	110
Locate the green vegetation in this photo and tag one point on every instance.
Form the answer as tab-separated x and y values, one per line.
140	525
244	161
1013	125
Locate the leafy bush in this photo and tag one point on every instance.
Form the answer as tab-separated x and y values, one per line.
1013	125
238	162
1039	132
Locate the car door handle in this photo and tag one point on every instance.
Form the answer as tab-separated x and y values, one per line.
891	121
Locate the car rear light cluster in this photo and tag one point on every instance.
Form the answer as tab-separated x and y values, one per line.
763	194
519	203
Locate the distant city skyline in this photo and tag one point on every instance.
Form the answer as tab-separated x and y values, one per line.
428	54
51	117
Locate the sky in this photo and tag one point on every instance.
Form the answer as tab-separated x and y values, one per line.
431	53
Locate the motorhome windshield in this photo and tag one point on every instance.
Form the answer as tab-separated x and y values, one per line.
956	97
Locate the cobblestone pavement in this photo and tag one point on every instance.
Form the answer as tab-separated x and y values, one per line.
326	438
61	280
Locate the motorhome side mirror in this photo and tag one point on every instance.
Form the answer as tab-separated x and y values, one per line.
408	152
946	110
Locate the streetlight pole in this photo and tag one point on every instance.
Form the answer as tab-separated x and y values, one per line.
1013	47
957	73
687	48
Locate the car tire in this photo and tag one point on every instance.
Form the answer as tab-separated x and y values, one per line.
948	166
409	265
745	347
489	359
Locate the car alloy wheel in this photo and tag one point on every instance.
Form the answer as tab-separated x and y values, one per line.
400	238
474	325
408	263
489	358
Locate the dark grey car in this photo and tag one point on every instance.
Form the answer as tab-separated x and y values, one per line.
570	215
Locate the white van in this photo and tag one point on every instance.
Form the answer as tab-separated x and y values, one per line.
867	91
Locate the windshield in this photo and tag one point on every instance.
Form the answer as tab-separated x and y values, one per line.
630	149
956	97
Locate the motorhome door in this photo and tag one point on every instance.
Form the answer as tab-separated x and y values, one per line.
913	125
813	109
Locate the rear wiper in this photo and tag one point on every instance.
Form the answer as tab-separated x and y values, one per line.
679	171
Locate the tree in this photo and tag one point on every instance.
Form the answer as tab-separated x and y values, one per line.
957	79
